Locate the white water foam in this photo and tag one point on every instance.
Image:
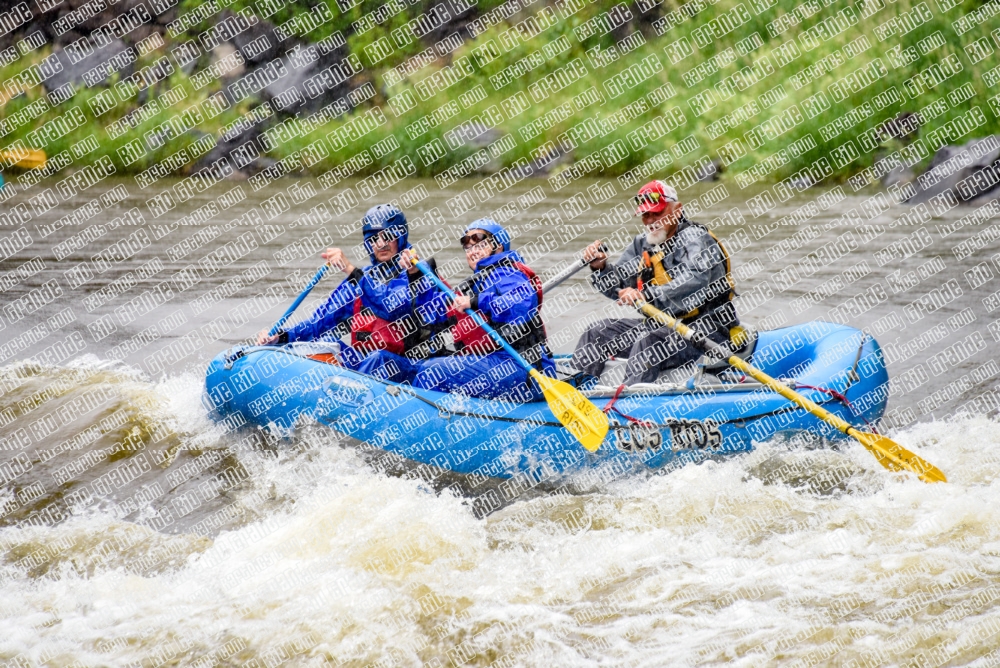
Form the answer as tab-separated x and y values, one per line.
811	557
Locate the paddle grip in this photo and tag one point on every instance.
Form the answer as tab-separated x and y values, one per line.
429	273
568	272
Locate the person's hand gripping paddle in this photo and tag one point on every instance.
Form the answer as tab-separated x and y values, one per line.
577	413
568	272
889	454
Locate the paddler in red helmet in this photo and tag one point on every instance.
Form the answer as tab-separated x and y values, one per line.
679	267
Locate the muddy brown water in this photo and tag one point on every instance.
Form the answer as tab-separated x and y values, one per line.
136	529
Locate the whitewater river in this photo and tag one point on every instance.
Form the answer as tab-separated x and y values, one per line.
135	531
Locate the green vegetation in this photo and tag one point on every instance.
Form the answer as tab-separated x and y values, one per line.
76	141
788	93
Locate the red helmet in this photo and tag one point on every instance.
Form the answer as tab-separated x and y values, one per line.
653	197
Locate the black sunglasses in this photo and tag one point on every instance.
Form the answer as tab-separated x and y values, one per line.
384	237
470	240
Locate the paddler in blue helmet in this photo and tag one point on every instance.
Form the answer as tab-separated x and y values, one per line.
508	295
377	304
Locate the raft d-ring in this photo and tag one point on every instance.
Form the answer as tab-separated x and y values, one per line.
392	390
229	360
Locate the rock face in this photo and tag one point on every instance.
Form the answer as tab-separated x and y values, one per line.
971	172
554	159
239	148
310	84
473	134
314	75
707	172
260	43
459	14
249	58
224	63
904	127
897	175
46	15
85	63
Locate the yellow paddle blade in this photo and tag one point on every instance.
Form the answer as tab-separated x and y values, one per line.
577	413
897	458
888	453
29	159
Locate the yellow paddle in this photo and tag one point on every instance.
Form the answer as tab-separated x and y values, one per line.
889	454
577	413
24	158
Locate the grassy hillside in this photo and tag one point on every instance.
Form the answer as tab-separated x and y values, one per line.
759	90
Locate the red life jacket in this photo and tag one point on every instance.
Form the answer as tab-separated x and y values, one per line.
370	332
471	338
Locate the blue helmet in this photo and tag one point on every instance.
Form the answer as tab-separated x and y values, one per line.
500	235
381	218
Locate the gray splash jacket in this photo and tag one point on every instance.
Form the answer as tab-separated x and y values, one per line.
698	273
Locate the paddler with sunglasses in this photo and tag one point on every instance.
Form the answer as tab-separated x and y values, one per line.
679	267
508	295
380	305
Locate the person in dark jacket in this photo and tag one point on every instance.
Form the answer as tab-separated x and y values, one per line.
507	294
679	267
378	305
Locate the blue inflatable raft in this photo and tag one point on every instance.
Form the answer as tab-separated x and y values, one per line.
653	426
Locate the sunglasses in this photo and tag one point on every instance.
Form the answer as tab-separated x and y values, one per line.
381	238
472	240
648	198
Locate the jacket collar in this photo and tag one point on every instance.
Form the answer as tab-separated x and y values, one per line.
385	271
505	257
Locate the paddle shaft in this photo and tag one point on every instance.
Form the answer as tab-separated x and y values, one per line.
710	346
566	273
563	275
429	273
298	300
581	418
889	454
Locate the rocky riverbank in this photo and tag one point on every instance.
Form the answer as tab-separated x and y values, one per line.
518	90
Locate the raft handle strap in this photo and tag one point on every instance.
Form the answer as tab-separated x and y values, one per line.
842	398
631	420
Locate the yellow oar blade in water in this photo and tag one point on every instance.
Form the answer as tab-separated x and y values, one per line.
897	458
889	454
581	418
30	159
